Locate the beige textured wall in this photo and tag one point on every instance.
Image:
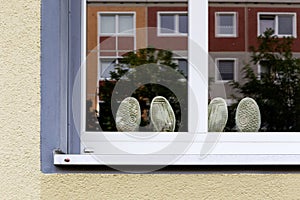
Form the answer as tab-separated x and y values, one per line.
20	176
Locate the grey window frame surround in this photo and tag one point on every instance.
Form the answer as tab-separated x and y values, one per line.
60	61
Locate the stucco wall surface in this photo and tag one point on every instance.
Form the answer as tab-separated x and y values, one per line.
20	176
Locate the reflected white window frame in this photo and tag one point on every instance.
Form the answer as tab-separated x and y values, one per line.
235	67
116	14
235	24
276	14
176	16
117	34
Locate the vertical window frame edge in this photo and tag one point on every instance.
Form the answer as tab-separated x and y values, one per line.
55	61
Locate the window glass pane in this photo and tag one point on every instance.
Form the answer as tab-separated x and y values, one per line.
266	21
167	23
106	67
226	70
183	66
126	24
107	24
183	23
226	24
136	66
265	67
285	25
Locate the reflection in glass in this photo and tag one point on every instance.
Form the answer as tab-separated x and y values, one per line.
226	70
225	24
108	24
126	24
266	22
167	23
183	23
285	25
119	45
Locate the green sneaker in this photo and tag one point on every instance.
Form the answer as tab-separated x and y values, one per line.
128	116
247	116
217	115
162	115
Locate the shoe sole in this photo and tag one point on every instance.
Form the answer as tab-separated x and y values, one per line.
217	115
128	117
247	116
162	115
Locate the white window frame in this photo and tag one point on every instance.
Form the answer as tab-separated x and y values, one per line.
276	14
197	39
235	77
176	15
228	149
235	24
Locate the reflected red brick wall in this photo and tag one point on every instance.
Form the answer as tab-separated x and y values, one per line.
252	21
160	42
227	44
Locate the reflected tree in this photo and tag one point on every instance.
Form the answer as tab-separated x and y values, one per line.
277	88
146	92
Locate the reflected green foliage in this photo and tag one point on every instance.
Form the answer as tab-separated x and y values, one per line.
146	92
277	90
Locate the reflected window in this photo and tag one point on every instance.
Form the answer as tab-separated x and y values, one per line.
182	66
116	24
107	66
226	25
283	24
172	23
225	69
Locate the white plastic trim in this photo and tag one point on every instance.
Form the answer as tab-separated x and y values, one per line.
230	149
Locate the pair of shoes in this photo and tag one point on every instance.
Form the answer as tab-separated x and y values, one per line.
128	117
247	116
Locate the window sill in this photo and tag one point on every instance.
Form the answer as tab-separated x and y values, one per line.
80	160
204	149
172	35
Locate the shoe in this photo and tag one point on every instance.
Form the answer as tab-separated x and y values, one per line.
162	115
217	115
128	116
247	116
